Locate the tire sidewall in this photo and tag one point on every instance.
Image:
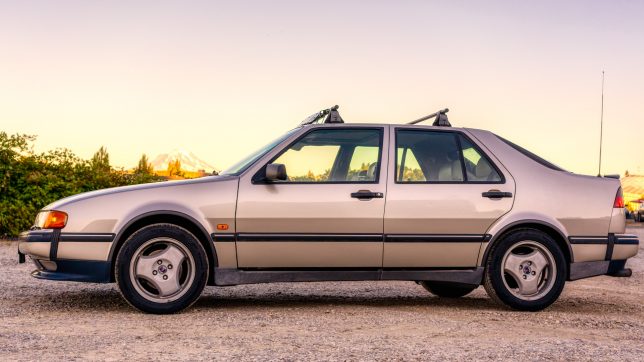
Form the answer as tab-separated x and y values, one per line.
126	253
494	270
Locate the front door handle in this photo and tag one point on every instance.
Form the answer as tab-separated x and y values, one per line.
496	194
367	195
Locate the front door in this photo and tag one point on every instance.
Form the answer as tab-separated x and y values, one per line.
439	204
329	211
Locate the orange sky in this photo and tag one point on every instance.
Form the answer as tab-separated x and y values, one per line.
221	79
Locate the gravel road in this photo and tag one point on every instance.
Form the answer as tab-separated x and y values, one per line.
595	319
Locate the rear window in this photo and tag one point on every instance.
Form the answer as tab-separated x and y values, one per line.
531	155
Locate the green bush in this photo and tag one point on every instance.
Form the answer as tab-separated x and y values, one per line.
30	181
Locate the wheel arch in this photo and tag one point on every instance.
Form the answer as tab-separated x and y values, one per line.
552	231
170	217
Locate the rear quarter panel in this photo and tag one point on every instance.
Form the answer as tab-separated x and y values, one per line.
576	205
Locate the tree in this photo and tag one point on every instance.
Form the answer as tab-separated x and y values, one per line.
101	160
174	168
144	167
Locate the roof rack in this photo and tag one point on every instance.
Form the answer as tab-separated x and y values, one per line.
441	118
329	115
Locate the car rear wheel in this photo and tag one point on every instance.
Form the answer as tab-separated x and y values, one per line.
161	269
448	290
526	270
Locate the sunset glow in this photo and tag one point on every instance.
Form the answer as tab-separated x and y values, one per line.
220	79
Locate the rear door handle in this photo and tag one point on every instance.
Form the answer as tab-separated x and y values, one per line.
367	195
496	194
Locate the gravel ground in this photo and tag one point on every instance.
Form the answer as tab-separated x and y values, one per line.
595	319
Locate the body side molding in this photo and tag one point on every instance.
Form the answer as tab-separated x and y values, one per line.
225	276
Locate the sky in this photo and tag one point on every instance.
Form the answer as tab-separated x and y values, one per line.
223	78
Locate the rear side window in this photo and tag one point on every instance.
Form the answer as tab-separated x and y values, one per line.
477	166
531	155
440	157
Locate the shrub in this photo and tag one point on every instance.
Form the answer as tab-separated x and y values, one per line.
29	181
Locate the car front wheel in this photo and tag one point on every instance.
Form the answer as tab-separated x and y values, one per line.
161	269
526	270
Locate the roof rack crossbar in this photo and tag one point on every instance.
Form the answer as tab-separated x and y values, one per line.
441	118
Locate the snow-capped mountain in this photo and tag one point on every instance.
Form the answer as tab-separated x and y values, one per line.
189	161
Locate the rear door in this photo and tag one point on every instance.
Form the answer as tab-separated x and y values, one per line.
328	213
443	193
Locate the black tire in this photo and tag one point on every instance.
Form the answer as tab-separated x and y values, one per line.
138	292
498	283
448	290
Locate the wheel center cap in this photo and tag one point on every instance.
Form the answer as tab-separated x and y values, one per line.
526	270
162	269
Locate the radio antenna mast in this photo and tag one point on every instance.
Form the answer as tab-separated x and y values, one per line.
601	129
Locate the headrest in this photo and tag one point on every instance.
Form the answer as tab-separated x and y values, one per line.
483	169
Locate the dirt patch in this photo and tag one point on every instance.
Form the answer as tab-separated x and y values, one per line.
598	318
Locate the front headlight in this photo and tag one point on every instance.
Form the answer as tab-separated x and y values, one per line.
51	219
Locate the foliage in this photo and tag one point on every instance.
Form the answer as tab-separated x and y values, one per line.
29	181
174	168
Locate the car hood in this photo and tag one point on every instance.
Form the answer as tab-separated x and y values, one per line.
133	188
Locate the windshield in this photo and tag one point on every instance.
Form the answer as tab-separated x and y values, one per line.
242	165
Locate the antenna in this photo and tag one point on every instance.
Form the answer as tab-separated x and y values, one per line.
601	129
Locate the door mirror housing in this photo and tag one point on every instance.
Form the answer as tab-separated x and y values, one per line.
275	172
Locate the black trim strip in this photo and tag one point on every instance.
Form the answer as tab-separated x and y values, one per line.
627	242
37	236
222	237
225	276
626	239
588	240
53	249
430	238
609	247
311	237
399	238
88	237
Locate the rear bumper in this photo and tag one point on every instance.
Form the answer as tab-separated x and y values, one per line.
616	249
79	257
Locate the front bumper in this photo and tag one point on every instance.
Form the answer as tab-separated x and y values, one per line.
81	257
616	248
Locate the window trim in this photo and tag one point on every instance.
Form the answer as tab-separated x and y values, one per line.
455	133
258	179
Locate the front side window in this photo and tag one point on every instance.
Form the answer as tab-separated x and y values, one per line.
334	155
435	157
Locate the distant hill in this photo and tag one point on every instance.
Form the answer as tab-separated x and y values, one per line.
189	161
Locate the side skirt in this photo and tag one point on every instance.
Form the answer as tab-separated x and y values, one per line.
230	276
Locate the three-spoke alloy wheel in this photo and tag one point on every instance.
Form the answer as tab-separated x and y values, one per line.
161	269
526	270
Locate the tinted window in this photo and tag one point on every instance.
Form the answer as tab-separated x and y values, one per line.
430	156
477	166
427	156
334	155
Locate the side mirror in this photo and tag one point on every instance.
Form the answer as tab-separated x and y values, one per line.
275	172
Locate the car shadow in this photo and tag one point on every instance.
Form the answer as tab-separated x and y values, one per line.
108	299
315	302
